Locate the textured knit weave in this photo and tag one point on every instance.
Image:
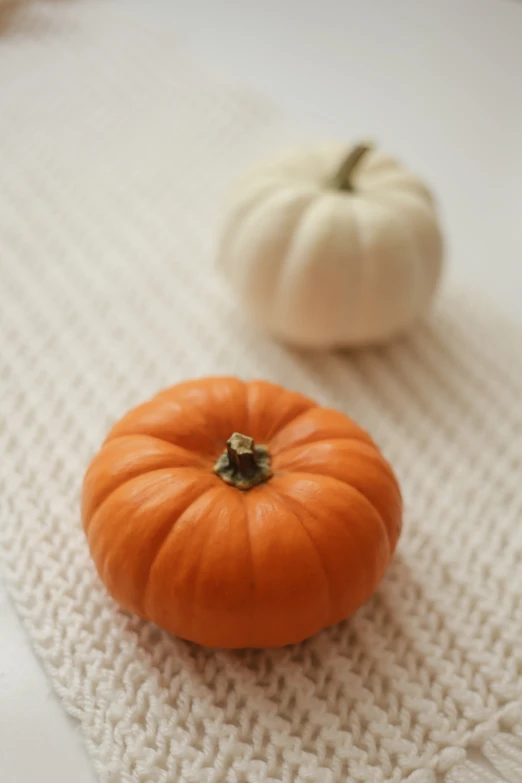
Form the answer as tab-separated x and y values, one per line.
115	152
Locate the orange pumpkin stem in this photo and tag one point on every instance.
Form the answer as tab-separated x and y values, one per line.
243	464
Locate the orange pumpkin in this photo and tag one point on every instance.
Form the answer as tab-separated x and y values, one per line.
231	544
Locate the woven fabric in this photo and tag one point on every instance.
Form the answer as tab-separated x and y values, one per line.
115	153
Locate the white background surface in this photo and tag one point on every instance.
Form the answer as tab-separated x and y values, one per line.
435	81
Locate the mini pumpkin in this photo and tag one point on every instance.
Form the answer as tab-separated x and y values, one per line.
332	246
227	543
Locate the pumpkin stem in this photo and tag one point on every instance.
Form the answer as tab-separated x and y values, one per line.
240	452
342	178
243	464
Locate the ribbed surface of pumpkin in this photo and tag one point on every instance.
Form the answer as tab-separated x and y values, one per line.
226	567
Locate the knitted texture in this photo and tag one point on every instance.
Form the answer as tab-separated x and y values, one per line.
115	153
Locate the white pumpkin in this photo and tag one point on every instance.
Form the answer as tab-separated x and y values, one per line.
332	247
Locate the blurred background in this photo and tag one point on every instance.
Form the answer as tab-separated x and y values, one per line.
437	82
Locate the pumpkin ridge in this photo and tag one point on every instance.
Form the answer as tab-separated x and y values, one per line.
383	463
372	454
290	502
288	423
174	390
153	438
170	408
103	564
244	503
390	183
365	273
97	508
239	405
322	476
110	438
241	207
291	244
201	560
214	401
364	436
192	501
379	463
294	223
250	404
282	451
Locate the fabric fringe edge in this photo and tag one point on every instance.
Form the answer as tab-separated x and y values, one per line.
500	754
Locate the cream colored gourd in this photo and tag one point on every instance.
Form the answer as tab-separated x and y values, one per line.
332	246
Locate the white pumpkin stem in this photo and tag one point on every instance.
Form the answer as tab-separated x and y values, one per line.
243	464
342	178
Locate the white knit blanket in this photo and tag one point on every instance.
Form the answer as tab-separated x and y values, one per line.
114	155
